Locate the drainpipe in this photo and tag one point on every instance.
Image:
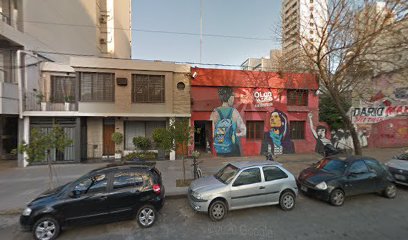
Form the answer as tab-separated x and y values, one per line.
26	121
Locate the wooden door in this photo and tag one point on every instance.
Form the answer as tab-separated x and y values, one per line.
108	144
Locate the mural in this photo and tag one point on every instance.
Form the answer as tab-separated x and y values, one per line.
322	142
228	125
277	137
247	112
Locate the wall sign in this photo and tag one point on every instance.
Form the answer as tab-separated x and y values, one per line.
263	98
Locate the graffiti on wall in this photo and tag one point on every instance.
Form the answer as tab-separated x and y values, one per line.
228	125
377	114
277	137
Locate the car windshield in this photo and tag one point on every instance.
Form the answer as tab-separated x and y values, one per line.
330	165
403	156
227	173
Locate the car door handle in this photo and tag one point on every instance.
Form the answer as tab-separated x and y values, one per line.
261	187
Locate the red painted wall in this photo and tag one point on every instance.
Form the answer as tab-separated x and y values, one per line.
389	133
205	99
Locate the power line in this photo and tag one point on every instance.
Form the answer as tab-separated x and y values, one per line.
155	31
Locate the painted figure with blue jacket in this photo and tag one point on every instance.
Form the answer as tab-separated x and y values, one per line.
228	126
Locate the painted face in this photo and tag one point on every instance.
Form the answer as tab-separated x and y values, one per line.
275	120
321	133
231	101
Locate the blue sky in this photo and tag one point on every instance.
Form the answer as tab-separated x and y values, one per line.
244	18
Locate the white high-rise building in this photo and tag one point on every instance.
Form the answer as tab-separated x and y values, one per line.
100	28
302	22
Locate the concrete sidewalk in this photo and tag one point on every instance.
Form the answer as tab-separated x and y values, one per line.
18	186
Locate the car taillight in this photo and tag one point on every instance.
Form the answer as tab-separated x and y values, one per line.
156	188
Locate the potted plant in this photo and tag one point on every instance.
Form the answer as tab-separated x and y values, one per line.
41	100
68	101
117	138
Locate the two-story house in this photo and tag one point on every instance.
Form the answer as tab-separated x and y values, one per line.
91	98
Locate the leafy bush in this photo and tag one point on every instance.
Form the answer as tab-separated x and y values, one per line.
141	156
142	143
117	138
163	139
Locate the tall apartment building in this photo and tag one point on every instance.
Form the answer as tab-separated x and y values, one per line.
302	21
99	28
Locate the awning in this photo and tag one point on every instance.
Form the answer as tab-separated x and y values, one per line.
56	67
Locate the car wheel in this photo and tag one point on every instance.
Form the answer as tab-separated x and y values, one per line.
46	228
390	191
287	201
217	210
146	216
337	197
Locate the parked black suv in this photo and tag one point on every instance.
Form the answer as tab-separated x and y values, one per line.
110	193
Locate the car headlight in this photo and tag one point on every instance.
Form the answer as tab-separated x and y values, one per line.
198	196
27	211
322	186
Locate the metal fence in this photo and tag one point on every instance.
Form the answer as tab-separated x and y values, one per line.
33	102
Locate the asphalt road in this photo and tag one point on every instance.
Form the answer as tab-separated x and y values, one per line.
362	217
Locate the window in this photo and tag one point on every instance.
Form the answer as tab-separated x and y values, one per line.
297	129
273	173
374	165
94	184
255	130
297	97
62	89
6	60
358	167
311	1
97	87
140	128
249	176
147	88
127	180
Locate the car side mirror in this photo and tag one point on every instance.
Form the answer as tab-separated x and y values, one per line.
75	194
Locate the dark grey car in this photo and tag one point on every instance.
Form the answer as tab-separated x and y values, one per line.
243	185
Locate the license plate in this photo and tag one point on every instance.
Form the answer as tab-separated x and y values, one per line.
400	177
303	188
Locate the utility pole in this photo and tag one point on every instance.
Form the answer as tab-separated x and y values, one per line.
201	30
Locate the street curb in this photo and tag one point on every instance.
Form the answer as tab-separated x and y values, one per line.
15	211
176	196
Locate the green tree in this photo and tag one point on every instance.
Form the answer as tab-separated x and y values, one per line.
182	134
41	144
329	113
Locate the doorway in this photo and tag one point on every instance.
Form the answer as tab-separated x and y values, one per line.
108	130
202	136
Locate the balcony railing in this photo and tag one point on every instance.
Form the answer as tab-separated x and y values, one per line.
33	102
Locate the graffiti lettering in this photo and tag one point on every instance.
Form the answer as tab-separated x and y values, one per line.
375	115
374	112
262	97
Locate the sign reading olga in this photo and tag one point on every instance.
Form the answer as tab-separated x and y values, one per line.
376	114
263	98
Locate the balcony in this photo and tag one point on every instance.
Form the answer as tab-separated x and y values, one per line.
37	102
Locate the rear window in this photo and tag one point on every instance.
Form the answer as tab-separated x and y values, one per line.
127	179
156	174
273	173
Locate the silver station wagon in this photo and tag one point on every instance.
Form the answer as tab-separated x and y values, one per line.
242	185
